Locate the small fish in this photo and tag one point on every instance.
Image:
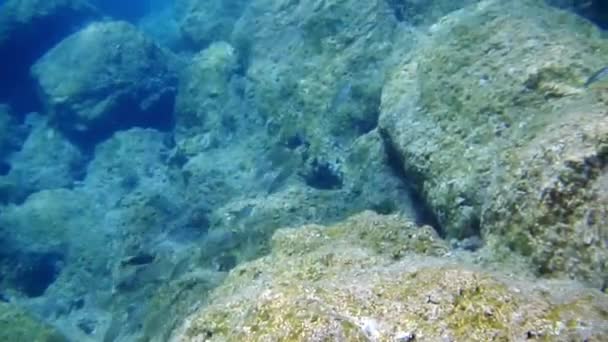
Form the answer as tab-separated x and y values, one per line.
598	76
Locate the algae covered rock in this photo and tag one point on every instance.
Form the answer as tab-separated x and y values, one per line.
205	93
134	160
106	77
375	278
28	28
312	73
557	211
55	234
17	325
489	85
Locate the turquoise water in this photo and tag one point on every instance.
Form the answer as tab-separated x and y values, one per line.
150	148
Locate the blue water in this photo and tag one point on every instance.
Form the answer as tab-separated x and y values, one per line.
146	140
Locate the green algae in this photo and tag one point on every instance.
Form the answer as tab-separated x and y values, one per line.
334	283
484	152
16	325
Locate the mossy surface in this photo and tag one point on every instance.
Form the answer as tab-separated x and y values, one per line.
317	71
204	94
17	325
487	90
334	283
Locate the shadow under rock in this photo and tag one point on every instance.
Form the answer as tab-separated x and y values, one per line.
424	214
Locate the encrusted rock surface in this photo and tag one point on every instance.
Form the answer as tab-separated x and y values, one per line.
494	135
17	325
481	109
106	77
314	74
376	278
206	102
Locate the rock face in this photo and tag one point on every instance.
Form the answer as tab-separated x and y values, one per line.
28	28
17	325
374	278
501	138
206	100
300	114
106	77
52	237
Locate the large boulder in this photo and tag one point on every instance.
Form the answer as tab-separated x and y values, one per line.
56	224
28	28
490	118
106	77
376	278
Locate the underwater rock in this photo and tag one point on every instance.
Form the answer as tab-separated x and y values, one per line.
134	160
474	118
60	166
18	325
204	22
315	79
28	28
376	278
253	198
204	102
56	238
106	77
311	72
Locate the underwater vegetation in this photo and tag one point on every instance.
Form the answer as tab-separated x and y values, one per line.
278	170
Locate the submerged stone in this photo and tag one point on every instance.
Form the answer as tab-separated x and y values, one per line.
28	28
491	119
17	325
347	283
317	71
106	77
206	101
